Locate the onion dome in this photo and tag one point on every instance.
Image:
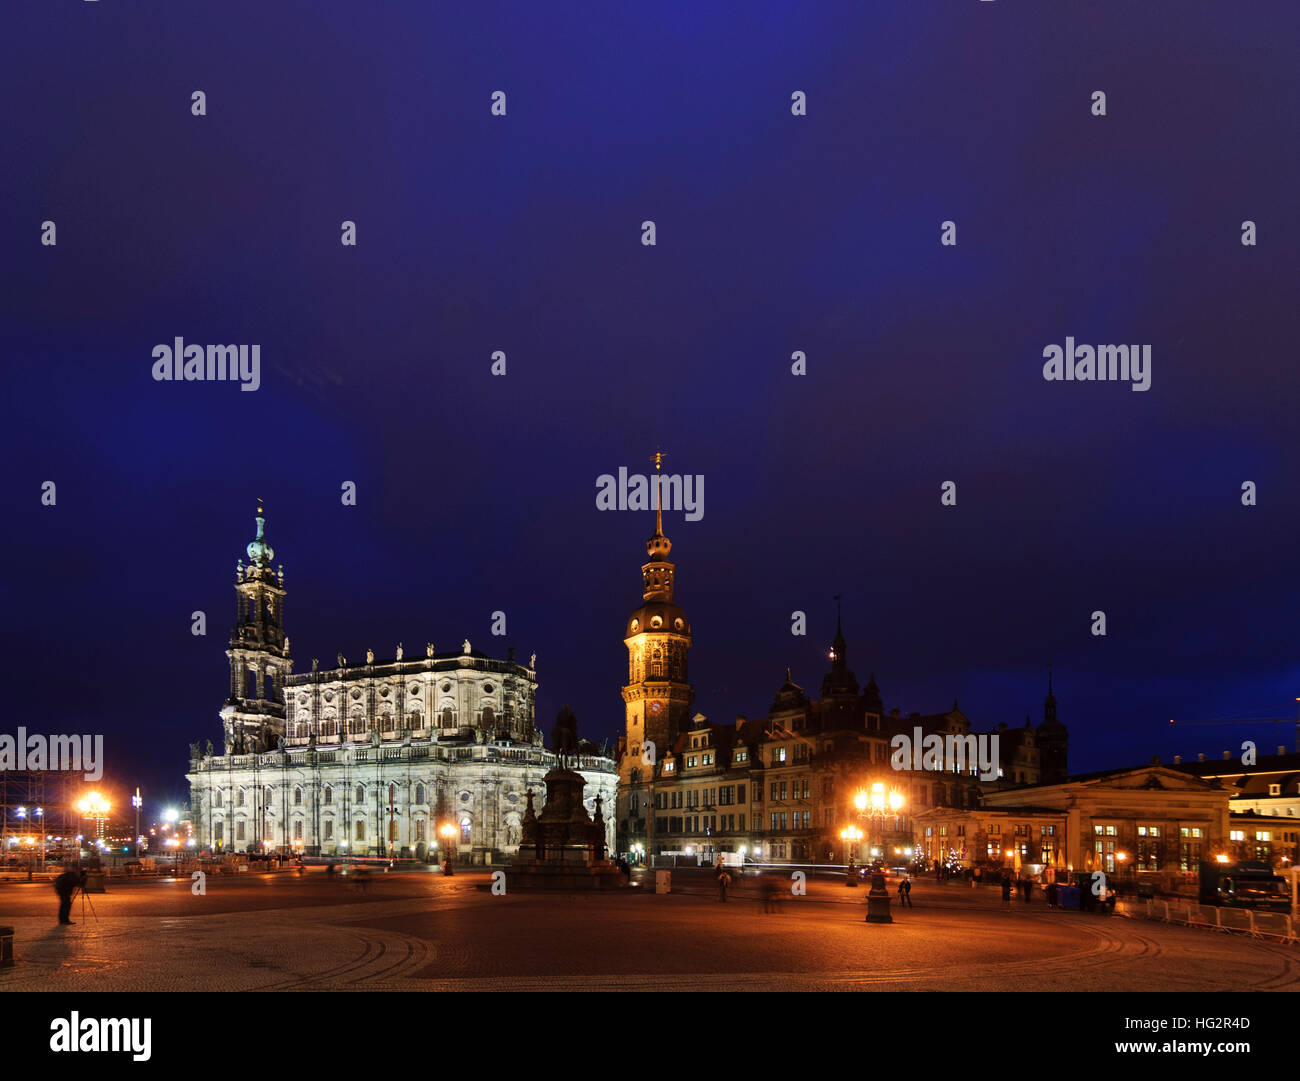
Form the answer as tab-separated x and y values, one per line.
259	552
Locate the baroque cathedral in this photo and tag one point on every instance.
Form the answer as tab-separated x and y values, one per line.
422	757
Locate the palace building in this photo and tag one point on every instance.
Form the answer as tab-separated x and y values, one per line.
373	758
787	786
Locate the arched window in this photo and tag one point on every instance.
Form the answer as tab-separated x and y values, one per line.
489	717
361	794
464	830
297	797
328	795
419	793
392	793
448	717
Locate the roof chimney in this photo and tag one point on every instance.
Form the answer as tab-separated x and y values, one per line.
1200	758
1178	758
1227	755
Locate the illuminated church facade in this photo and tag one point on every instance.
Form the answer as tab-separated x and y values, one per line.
408	756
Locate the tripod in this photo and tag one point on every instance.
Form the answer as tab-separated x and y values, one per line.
84	901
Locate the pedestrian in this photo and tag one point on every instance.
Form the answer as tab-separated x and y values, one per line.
1027	889
1006	890
66	885
1053	894
905	893
724	880
771	893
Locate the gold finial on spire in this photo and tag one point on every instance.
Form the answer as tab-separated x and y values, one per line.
659	510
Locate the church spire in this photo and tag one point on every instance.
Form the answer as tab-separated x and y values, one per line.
659	508
657	573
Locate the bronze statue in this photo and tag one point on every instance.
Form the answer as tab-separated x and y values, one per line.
564	736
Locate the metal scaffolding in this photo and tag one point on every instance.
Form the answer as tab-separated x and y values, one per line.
36	807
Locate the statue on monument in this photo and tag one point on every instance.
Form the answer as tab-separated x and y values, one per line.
564	736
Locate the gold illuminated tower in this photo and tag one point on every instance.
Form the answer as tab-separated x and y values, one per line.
658	695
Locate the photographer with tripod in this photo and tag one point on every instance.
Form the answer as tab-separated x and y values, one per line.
66	886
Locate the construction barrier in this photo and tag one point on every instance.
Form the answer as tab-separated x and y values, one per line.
1277	926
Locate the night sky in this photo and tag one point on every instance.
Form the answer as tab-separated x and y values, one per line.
775	233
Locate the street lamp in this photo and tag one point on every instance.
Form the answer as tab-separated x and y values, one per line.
850	835
877	803
96	808
137	803
447	832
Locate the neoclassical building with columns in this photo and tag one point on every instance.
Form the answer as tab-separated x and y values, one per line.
373	758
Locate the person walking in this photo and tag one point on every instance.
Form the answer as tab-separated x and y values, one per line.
905	893
1006	890
1027	889
724	880
770	892
66	885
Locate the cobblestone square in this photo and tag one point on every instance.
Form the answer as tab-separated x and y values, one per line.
415	932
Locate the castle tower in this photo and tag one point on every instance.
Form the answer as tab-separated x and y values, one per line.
1053	741
253	716
840	707
658	695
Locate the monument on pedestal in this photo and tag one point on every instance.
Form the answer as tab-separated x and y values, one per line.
563	848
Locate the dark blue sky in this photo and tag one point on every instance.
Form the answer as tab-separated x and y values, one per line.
775	233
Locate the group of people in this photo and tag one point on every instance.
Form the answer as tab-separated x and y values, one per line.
1024	885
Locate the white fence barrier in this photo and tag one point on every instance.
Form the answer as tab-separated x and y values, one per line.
1247	921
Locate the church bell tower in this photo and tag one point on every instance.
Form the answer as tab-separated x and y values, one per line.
253	716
